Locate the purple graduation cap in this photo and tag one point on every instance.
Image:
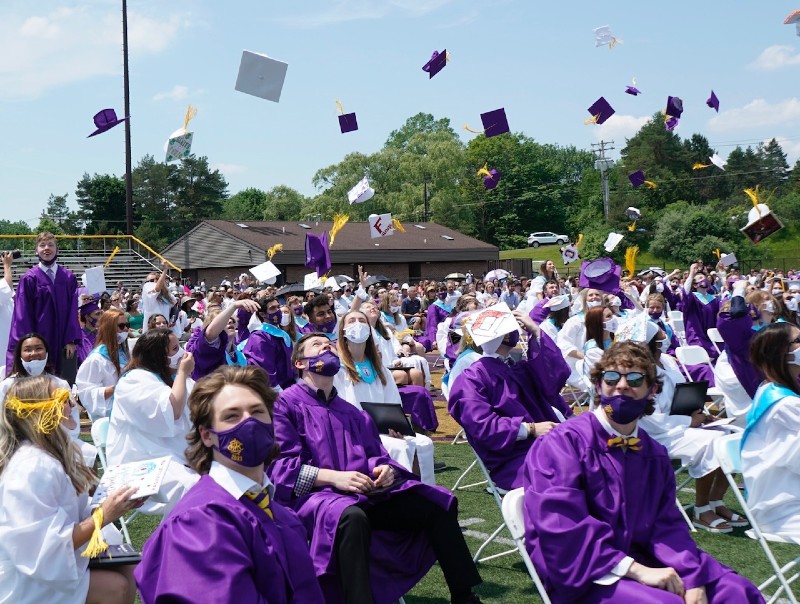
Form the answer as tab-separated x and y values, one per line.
348	123
88	307
602	274
317	254
601	110
436	64
637	178
494	122
490	181
670	123
713	102
674	106
106	119
632	90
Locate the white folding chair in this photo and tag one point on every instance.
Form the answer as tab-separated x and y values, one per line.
675	318
727	449
515	521
100	439
497	493
697	355
716	338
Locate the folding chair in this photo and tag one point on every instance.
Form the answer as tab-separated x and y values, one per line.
514	519
697	355
716	338
675	318
100	439
727	450
497	493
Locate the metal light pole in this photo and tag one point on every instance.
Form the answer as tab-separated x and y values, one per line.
126	84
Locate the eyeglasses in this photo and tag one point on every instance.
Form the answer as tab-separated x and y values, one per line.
123	326
634	378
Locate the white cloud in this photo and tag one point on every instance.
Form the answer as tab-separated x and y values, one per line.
178	93
619	127
65	45
229	169
758	113
774	57
790	146
342	11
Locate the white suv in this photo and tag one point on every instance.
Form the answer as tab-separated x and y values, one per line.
545	237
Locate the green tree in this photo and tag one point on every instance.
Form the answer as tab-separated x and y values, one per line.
101	204
247	204
282	203
15	228
773	161
686	233
418	124
198	192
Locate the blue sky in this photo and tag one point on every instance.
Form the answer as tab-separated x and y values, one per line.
60	62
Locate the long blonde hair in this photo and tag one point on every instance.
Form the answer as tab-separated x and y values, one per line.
14	431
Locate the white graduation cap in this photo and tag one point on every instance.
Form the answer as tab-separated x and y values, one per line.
94	280
603	36
380	225
261	76
728	259
491	323
179	145
612	241
266	272
637	329
633	213
569	253
361	192
718	161
311	281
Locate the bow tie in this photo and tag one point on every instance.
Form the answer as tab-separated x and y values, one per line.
631	442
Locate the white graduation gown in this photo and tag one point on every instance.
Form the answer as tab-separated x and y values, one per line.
95	374
737	401
142	426
390	349
771	469
572	337
6	313
402	450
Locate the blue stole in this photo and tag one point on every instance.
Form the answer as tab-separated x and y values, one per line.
300	321
102	350
443	306
704	298
388	318
277	332
239	360
446	376
366	371
766	396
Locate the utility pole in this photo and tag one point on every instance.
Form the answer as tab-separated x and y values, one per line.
426	210
127	93
603	164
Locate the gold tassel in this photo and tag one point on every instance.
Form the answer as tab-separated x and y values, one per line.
630	259
111	257
402	334
52	410
699	166
580	240
191	112
753	195
717	254
278	247
96	545
650	184
468	129
398	226
484	171
339	107
339	220
591	120
632	226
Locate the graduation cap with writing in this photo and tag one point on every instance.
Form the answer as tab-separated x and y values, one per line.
266	272
761	222
261	76
713	102
600	111
437	62
105	120
179	143
602	274
317	253
361	192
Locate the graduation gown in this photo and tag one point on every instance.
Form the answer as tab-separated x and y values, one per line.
208	356
47	308
271	349
214	548
736	328
437	313
95	374
697	319
490	400
335	435
587	506
88	339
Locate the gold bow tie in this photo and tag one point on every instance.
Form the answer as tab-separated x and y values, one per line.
631	442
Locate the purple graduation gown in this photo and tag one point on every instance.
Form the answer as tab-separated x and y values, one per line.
214	548
88	340
337	436
587	506
273	355
540	312
418	403
47	308
435	315
490	400
207	358
736	328
698	318
243	318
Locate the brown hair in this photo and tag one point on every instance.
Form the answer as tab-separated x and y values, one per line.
45	236
371	352
768	350
150	354
151	320
201	407
594	325
107	334
627	354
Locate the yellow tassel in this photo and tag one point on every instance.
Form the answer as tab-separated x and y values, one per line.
111	257
591	120
447	57
339	220
580	240
278	247
191	112
753	195
630	259
717	254
398	226
484	171
51	410
402	334
96	545
468	129
632	226
339	107
614	42
699	166
650	184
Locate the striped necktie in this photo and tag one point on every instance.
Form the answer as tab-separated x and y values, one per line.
261	499
52	274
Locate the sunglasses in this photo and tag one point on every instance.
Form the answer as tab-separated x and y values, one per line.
123	326
634	378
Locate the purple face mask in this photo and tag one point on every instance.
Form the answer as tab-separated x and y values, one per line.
274	318
511	339
248	443
297	310
623	409
442	295
656	316
702	283
326	364
328	327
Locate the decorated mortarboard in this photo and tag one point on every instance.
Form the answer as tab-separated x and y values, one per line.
317	253
491	178
570	253
266	272
793	17
261	76
633	213
638	179
728	259
105	120
557	302
179	143
347	121
603	36
600	111
94	280
674	107
761	222
437	62
637	329
361	192
491	323
602	274
713	102
612	241
312	281
383	225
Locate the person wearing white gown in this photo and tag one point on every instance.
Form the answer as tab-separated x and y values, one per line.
150	416
99	373
770	447
572	336
362	378
45	519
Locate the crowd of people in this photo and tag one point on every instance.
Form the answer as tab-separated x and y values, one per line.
281	488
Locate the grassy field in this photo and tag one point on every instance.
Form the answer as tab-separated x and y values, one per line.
505	579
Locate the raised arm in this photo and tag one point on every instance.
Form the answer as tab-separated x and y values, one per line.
220	322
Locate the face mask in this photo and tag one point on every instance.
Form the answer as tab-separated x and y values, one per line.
442	295
511	339
274	318
297	310
623	409
777	292
769	307
176	358
793	357
702	283
48	263
611	325
248	443
326	364
593	303
329	327
122	336
357	333
664	345
394	309
656	316
659	287
35	367
286	319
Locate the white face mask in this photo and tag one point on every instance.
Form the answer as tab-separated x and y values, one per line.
122	336
286	318
659	287
793	357
769	307
611	325
777	291
35	367
664	345
175	359
593	303
394	309
357	333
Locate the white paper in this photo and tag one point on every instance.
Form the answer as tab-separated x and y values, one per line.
94	280
728	259
718	161
311	281
261	76
612	241
361	192
145	475
492	322
265	271
380	225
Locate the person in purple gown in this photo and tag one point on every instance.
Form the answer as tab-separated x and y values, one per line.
700	310
601	524
321	318
270	347
503	407
90	314
438	311
46	302
374	529
227	540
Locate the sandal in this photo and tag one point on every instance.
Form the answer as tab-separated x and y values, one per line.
732	518
720	525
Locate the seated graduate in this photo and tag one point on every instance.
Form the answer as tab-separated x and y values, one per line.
770	447
270	346
406	368
374	529
45	520
150	417
503	407
601	524
98	374
253	549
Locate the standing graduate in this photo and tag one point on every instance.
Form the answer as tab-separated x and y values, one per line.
270	347
601	524
700	310
47	303
227	540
